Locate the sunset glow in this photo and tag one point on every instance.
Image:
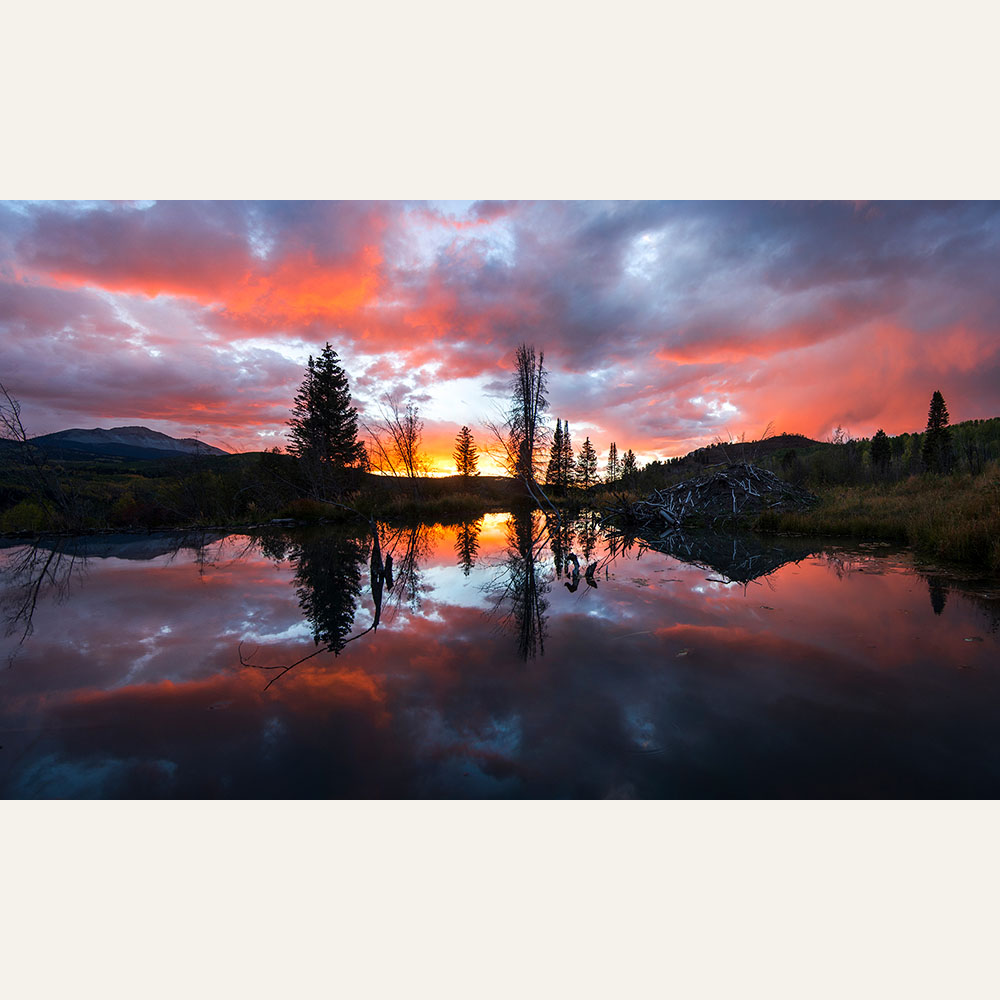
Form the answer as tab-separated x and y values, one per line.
665	326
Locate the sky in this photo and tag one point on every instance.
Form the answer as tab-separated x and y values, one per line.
665	325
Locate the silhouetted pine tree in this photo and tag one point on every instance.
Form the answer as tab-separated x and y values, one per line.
630	467
586	466
881	452
936	451
324	425
566	461
559	473
614	466
552	476
465	454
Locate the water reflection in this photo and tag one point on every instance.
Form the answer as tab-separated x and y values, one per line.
938	588
467	544
48	569
328	583
737	557
518	590
659	680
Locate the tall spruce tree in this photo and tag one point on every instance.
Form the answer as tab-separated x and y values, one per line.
552	477
630	467
323	429
881	452
466	456
586	466
936	451
614	466
566	461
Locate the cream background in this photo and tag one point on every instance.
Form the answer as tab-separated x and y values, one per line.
482	900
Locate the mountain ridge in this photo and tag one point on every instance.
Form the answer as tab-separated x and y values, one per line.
132	441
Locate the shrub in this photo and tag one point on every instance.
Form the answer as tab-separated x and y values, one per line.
24	516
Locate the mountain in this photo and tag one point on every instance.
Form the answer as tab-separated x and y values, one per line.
125	442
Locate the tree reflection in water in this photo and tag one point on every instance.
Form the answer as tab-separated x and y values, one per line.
329	568
467	544
518	593
48	569
30	574
328	585
328	582
938	587
561	537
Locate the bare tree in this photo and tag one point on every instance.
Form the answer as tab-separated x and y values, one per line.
394	440
528	403
521	435
34	469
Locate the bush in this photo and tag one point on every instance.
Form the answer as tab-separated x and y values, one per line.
25	516
304	509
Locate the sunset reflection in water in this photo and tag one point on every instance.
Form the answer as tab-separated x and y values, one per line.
494	670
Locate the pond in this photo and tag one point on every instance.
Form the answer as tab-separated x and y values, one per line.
483	664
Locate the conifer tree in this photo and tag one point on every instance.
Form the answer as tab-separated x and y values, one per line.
630	467
559	474
552	477
566	461
936	452
323	429
614	466
586	466
466	455
881	452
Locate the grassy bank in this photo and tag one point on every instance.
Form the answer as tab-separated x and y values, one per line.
954	518
225	491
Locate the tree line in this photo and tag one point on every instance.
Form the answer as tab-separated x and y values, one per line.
324	435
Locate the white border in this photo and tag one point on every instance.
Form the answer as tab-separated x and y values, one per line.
856	100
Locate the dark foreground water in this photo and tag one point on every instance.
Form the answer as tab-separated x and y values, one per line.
147	666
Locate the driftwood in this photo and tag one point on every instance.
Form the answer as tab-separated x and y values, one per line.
712	500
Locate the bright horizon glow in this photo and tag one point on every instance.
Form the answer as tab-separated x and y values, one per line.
665	326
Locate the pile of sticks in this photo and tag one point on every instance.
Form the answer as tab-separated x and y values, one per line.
712	500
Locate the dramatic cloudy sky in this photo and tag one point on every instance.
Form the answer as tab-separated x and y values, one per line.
665	325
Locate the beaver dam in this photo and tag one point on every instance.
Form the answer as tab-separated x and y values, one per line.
715	500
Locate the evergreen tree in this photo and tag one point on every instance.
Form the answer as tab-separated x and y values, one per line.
881	452
552	477
566	461
559	474
936	452
466	456
324	426
614	466
586	466
630	468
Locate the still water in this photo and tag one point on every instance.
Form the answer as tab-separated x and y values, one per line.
484	665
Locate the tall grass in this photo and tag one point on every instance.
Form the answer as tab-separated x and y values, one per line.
954	518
